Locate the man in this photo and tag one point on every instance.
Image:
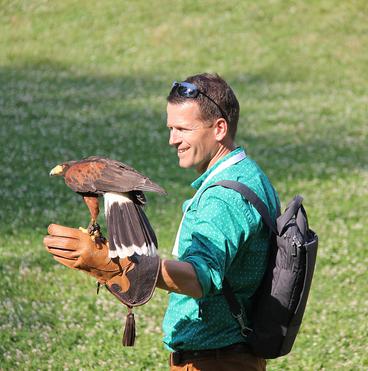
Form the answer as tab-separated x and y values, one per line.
220	235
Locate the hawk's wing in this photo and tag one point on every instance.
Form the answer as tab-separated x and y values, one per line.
100	175
129	229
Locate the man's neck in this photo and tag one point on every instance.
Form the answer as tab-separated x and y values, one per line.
222	151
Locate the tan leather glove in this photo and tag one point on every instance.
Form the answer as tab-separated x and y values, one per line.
76	249
131	280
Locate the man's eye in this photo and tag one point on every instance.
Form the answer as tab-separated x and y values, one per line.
180	131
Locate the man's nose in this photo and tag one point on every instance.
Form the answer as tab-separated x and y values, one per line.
175	137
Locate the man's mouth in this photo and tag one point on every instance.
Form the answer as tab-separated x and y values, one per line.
182	150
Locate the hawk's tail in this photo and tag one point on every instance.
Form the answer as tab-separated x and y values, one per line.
129	229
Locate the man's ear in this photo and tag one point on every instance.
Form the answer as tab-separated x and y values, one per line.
221	129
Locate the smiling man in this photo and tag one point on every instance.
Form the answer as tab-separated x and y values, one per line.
198	144
220	236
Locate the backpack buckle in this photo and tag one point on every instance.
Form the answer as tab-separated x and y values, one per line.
244	330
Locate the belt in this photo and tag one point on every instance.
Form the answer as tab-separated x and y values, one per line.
183	356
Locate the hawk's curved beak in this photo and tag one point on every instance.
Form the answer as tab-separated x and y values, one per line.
57	170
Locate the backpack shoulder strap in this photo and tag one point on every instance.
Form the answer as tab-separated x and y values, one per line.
234	305
249	195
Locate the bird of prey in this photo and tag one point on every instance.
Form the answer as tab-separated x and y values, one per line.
122	188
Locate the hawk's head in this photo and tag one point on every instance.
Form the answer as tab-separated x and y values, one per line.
61	168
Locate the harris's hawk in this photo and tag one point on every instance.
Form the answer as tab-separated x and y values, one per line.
122	188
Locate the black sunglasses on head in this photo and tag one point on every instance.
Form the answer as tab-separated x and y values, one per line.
189	90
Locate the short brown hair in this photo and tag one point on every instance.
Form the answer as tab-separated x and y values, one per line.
218	90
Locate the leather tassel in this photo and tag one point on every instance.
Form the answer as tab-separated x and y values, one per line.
129	331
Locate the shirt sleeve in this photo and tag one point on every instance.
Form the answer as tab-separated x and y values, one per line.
224	221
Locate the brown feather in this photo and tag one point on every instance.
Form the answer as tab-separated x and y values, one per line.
81	176
99	175
93	206
95	176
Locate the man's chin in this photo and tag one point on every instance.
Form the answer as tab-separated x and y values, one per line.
185	165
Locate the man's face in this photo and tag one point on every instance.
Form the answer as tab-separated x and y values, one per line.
194	139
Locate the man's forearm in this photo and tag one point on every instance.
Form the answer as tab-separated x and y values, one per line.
179	277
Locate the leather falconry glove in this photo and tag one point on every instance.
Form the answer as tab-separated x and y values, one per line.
132	280
76	249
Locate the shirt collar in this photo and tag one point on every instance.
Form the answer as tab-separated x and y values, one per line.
198	182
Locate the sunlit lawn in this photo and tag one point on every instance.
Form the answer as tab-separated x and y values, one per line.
83	78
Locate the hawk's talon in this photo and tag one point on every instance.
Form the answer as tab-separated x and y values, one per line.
84	230
94	229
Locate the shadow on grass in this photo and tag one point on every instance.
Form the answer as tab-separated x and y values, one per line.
50	114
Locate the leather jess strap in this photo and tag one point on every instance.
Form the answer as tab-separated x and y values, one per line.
184	356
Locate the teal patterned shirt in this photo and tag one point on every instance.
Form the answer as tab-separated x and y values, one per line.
221	234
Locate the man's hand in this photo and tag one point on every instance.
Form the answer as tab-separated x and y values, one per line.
132	281
77	250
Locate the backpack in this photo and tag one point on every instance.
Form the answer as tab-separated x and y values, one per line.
280	300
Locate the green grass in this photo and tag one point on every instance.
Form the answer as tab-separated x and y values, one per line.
83	78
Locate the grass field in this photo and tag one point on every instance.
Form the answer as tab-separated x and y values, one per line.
79	78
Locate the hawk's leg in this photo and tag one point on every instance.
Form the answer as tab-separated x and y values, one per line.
94	229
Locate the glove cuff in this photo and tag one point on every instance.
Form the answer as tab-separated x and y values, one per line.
135	285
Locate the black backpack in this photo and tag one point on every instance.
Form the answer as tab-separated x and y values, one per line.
280	301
